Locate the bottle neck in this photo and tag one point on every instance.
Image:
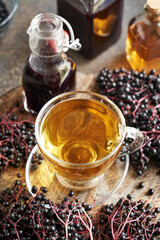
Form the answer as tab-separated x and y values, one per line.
152	14
47	65
47	36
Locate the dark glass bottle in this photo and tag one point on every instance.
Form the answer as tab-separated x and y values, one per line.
48	71
97	23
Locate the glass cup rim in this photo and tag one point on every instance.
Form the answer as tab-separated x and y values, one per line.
45	109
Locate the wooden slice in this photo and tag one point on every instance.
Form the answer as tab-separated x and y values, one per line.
130	185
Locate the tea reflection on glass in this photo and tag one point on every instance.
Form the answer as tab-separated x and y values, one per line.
81	135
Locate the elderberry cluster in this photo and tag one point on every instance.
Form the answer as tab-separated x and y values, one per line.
30	218
25	217
137	94
129	220
3	12
16	139
36	160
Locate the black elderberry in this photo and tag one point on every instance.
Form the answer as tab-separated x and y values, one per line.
129	196
71	194
123	158
157	232
88	207
44	189
5	203
152	72
34	189
108	211
158	224
37	226
139	172
141	185
151	191
157	210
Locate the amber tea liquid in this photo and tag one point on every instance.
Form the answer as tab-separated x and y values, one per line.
80	130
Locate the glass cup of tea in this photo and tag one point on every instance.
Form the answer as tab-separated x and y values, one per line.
81	134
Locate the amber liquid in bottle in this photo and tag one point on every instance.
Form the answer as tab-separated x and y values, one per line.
96	30
143	45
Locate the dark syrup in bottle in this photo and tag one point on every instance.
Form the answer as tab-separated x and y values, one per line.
40	88
97	29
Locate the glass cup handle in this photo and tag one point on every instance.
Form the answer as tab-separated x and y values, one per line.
138	139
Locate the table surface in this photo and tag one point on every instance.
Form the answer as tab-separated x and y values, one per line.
14	51
14	48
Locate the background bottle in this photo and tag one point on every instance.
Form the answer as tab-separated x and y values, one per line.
96	23
48	71
143	40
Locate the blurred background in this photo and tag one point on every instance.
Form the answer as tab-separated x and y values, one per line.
14	47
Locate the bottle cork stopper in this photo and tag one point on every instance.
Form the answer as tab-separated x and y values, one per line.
154	4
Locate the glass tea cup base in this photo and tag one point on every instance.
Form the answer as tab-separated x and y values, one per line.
102	187
80	185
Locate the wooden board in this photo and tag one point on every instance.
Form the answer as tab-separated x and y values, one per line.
56	191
